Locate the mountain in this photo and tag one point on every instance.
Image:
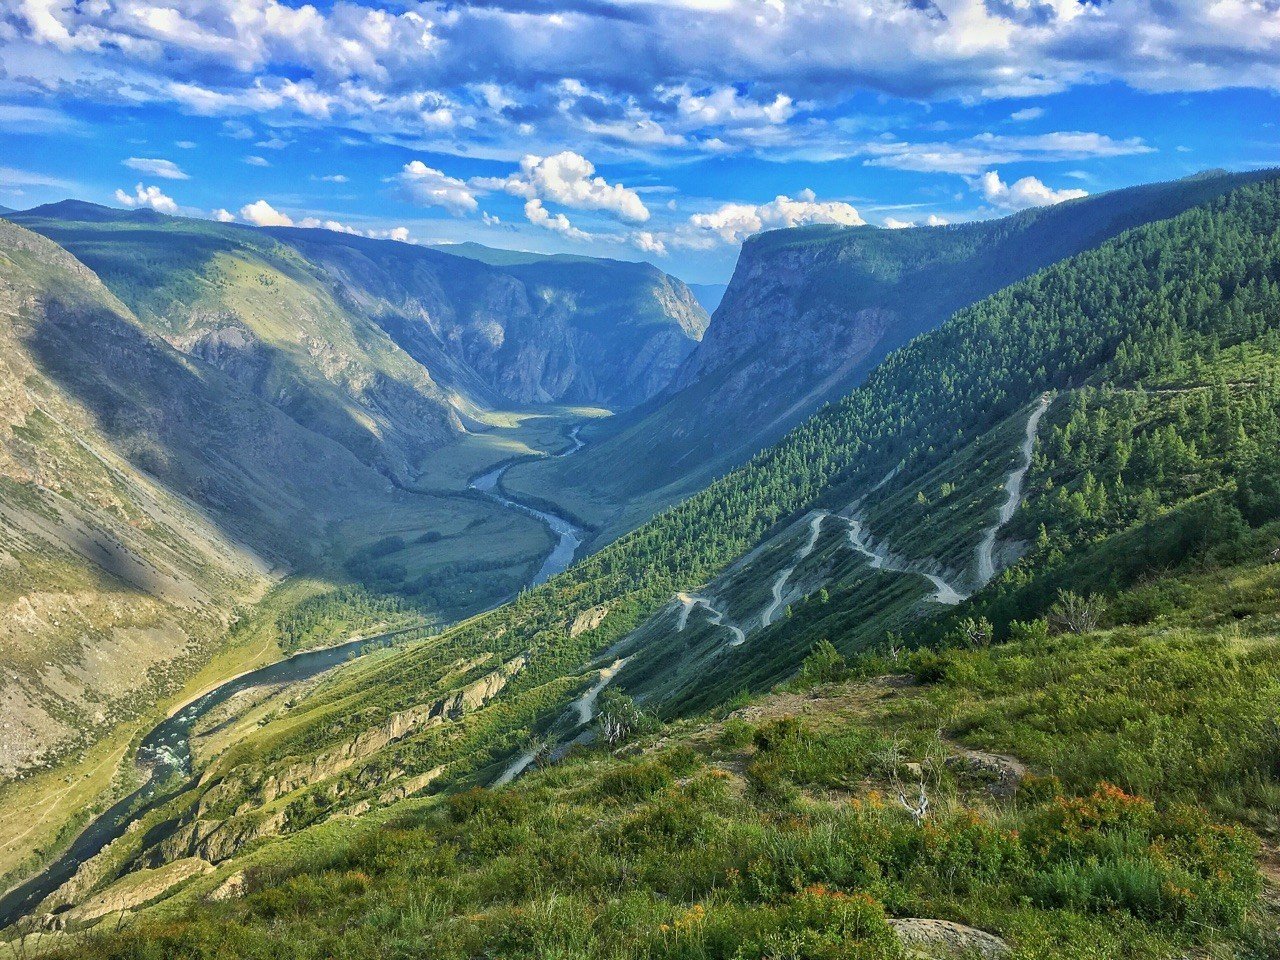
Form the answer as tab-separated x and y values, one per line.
390	349
808	313
518	328
253	308
150	499
1048	716
709	294
221	445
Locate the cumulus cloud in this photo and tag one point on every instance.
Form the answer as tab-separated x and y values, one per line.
430	187
255	161
569	179
1029	113
649	243
726	106
557	223
332	178
223	215
734	222
336	226
1021	194
262	214
156	167
932	220
659	75
147	198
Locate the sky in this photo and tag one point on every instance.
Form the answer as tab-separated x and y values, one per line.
665	130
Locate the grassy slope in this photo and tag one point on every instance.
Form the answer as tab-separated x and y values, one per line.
775	825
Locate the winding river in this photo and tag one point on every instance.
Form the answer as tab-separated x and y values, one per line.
570	536
165	752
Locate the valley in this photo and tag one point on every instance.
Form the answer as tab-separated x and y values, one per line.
969	638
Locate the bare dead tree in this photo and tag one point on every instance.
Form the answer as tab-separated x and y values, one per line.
919	810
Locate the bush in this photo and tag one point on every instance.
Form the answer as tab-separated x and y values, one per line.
635	781
824	664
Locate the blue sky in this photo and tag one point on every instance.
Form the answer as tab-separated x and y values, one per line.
666	130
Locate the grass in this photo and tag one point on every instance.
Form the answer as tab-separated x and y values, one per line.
772	832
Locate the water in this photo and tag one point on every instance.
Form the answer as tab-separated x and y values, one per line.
165	753
569	536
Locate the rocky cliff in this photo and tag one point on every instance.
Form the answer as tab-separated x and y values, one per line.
541	329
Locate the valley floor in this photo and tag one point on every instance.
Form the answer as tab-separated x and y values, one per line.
41	811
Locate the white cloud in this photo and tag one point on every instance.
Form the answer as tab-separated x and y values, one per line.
275	143
893	223
733	222
726	106
185	144
224	216
332	178
256	161
1030	113
975	154
1024	193
649	243
262	214
433	188
147	197
557	223
568	178
157	167
13	177
485	78
933	220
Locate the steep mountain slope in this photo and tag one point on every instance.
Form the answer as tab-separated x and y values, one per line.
147	499
514	327
1134	390
112	574
389	348
848	531
808	314
239	300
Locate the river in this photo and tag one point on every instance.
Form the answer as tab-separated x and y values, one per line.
165	752
570	536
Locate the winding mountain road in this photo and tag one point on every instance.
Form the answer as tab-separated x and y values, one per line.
1013	487
690	600
815	528
943	592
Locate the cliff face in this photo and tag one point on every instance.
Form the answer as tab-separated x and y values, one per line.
545	329
808	314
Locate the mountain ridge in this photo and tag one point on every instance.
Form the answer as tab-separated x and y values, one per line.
810	310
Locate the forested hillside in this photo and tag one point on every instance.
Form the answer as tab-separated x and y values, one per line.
808	316
1151	511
